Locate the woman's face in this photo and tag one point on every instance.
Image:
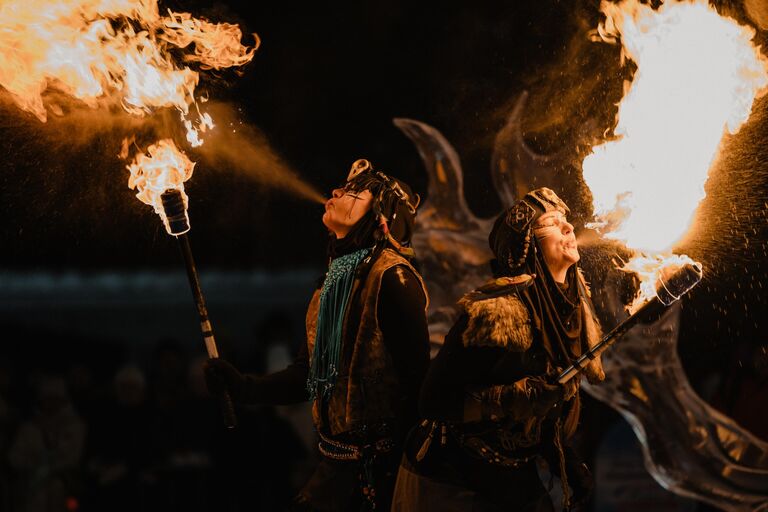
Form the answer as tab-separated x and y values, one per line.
344	209
557	241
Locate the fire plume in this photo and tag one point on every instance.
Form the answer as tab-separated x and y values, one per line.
118	52
164	167
111	51
698	74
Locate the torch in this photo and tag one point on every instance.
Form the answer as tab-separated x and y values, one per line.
668	291
178	226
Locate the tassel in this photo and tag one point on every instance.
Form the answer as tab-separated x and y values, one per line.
561	456
427	442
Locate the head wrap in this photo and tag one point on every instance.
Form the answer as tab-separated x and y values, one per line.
512	233
394	204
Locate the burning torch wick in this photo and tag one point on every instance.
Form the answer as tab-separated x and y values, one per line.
178	223
668	292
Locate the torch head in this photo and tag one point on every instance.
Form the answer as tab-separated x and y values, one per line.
674	286
175	212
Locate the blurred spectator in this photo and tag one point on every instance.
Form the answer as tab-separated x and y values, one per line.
86	397
299	416
8	425
118	448
46	451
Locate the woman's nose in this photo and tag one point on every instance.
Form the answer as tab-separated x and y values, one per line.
567	227
337	193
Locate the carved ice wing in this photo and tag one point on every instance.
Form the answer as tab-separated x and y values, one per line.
451	243
445	207
689	447
516	168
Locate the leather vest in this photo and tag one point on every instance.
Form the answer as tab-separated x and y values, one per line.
367	389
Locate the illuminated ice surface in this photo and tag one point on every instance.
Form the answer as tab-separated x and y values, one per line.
690	448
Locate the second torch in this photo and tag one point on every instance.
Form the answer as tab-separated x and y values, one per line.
178	223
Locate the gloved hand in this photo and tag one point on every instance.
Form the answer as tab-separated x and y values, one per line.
221	376
545	396
528	397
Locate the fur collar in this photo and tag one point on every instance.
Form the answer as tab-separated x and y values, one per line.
497	316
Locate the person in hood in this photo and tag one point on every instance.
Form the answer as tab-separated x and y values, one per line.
491	402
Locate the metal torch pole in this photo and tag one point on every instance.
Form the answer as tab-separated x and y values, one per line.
179	223
227	407
654	306
668	292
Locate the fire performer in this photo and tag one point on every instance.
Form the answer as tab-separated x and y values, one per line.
491	398
367	347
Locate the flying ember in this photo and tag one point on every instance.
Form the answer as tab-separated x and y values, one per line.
698	74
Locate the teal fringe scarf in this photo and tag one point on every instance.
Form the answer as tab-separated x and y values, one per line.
334	296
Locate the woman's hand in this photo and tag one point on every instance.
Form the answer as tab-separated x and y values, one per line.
221	376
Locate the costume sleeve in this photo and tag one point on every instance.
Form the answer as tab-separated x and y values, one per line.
465	383
442	393
526	398
403	322
454	369
288	386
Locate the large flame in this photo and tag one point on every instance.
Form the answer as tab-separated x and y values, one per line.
103	51
164	167
698	74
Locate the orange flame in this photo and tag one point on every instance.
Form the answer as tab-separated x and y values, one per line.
117	51
164	167
698	74
650	270
111	50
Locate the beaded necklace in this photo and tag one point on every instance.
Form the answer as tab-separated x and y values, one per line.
334	296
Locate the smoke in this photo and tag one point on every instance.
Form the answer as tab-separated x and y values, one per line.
573	96
233	145
758	11
237	146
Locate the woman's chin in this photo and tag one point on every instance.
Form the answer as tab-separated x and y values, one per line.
572	256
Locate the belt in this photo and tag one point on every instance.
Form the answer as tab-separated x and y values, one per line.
338	450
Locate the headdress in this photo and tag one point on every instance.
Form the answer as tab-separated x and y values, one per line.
394	204
512	234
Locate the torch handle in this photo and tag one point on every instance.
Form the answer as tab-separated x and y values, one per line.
668	291
650	308
227	407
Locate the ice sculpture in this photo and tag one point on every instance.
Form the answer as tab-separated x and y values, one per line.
689	447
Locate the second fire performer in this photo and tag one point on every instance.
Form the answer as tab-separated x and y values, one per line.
491	399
